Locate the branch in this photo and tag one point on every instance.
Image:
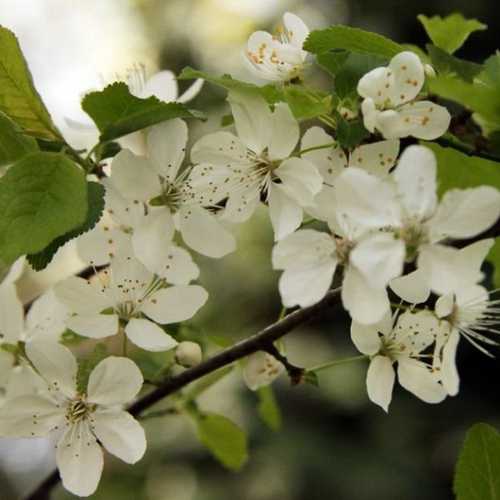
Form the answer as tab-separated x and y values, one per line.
259	341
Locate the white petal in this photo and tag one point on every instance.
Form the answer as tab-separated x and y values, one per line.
207	185
114	381
415	331
376	158
465	213
380	381
121	209
242	204
415	176
285	213
444	305
261	369
167	146
29	416
324	207
149	336
366	338
121	434
191	92
95	326
204	233
134	177
55	363
128	277
376	85
296	28
175	303
252	119
301	180
162	85
219	148
15	271
303	248
306	286
284	132
449	373
11	314
415	377
79	460
408	77
365	304
370	114
99	246
412	288
81	296
379	257
329	161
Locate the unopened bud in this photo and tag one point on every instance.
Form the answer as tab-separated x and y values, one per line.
188	354
429	71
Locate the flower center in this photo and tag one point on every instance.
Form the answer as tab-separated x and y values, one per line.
414	234
343	249
79	410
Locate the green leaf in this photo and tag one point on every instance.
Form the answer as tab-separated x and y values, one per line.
18	96
268	408
306	104
333	61
447	64
494	258
13	143
350	133
225	440
117	112
477	474
86	366
42	196
95	197
352	39
450	33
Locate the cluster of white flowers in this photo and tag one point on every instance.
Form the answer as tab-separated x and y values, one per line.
380	230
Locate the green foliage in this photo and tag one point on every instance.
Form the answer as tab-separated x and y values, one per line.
268	408
447	64
85	366
225	440
42	196
117	112
13	143
304	103
353	40
477	475
451	32
18	97
95	199
494	256
350	133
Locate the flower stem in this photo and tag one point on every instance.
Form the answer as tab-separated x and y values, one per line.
314	148
336	362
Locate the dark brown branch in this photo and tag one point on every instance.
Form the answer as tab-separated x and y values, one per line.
259	342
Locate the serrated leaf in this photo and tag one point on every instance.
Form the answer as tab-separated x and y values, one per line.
117	112
306	104
225	440
18	97
447	64
85	366
350	133
477	474
353	40
268	408
451	32
333	61
95	197
42	197
13	143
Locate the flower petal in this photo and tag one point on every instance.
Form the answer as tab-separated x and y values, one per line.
191	92
162	85
261	369
55	363
380	381
296	29
11	314
114	381
175	303
96	326
407	77
204	233
121	434
286	215
220	149
449	374
149	336
376	158
284	132
366	338
79	460
166	144
412	288
416	378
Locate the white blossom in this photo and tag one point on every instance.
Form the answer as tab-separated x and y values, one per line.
83	421
390	102
260	164
404	342
131	298
261	369
280	57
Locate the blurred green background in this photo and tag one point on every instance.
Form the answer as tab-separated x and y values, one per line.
334	444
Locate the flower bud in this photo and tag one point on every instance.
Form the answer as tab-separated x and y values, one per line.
429	71
188	354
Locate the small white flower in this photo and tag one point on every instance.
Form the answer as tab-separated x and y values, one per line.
280	57
390	104
83	420
260	164
131	297
261	369
405	342
174	199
